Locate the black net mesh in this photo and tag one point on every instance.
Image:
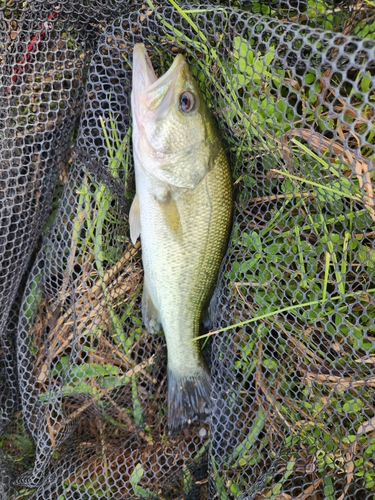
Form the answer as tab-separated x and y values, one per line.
292	353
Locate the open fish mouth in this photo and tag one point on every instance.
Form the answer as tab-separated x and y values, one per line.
143	72
153	92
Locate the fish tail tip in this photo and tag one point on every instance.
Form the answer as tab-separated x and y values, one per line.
188	399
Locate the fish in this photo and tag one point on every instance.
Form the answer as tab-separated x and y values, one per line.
182	212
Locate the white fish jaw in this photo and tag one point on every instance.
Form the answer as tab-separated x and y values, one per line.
143	72
154	103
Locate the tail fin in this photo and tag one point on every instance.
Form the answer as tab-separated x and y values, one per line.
188	398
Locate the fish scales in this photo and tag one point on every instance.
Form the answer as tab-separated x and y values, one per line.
182	212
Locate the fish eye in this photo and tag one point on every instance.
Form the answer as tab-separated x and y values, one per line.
187	102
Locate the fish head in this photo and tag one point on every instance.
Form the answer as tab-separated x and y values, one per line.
174	136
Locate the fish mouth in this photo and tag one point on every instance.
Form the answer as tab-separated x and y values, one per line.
152	92
143	72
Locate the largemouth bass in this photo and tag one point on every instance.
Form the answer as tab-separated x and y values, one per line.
182	211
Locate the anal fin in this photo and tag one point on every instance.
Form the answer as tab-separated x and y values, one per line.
150	313
209	311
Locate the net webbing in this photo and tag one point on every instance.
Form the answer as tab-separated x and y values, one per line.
83	386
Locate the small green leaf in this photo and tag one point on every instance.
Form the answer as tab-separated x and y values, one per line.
365	84
269	57
241	47
310	77
136	475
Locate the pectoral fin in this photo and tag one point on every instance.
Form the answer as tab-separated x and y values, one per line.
135	220
150	314
171	216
